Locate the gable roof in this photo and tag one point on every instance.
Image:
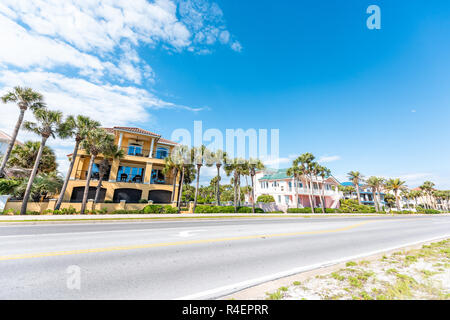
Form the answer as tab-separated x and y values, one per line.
141	131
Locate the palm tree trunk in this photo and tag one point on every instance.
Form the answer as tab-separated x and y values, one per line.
358	193
180	192
23	209
253	193
175	173
12	142
397	201
196	188
86	188
218	184
66	180
322	199
296	192
375	201
102	173
235	192
310	187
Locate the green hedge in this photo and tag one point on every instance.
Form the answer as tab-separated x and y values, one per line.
156	208
225	209
299	210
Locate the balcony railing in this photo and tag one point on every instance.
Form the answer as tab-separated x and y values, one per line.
82	175
131	178
136	151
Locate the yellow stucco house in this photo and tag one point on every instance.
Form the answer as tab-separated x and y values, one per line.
138	175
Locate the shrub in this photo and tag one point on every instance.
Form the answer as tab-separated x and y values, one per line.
170	209
153	208
32	213
225	209
275	212
108	201
143	201
265	198
70	210
126	212
329	210
431	211
244	210
259	210
299	210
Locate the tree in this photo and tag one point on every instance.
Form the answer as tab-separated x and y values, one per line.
170	166
253	165
324	173
427	187
77	127
24	156
220	158
182	157
308	167
236	167
296	172
265	198
25	98
200	155
94	143
110	151
395	185
375	184
49	124
414	194
356	178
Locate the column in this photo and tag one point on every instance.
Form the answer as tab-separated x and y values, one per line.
119	145
150	155
114	169
148	172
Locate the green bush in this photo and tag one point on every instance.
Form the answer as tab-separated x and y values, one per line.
32	213
265	198
126	212
352	206
153	208
143	201
431	211
70	210
108	201
170	209
259	210
299	210
244	210
275	212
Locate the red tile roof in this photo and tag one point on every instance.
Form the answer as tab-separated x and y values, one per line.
137	130
141	131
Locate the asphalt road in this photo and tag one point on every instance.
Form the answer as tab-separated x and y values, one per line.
196	259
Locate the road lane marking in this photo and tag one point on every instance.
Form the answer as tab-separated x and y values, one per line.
188	233
167	244
232	288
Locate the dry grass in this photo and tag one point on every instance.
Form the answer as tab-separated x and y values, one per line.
422	274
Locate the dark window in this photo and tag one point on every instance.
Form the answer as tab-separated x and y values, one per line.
77	194
160	196
129	195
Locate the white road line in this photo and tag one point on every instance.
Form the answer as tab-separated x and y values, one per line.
188	233
228	289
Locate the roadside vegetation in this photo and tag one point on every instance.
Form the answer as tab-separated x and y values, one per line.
28	172
421	274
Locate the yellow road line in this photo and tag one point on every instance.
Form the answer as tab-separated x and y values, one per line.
176	243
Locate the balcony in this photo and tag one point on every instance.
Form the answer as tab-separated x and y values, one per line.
82	175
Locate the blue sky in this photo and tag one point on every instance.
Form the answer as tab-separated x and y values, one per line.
376	101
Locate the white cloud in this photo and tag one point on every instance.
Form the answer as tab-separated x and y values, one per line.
326	159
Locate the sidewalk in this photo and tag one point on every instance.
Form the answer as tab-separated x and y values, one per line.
75	217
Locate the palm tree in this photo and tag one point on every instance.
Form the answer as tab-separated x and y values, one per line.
253	165
375	183
181	157
220	157
25	98
395	185
356	178
414	195
307	166
427	187
170	166
200	156
110	151
79	128
93	144
24	156
296	172
49	125
324	173
236	167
